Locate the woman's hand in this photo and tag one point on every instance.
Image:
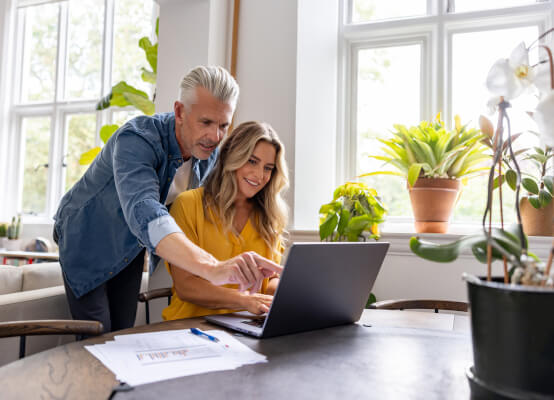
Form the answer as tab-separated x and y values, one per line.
256	303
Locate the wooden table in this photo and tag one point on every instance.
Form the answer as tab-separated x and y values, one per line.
386	355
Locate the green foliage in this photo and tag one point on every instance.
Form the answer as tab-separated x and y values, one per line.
355	210
430	150
3	230
124	95
372	299
508	239
537	182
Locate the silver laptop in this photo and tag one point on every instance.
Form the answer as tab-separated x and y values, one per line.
322	285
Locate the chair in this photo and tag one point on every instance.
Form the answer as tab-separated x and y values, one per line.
436	305
145	297
48	327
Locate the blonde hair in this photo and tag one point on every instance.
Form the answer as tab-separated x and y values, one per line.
269	212
217	80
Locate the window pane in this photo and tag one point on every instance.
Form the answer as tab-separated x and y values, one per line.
133	20
81	130
36	134
84	53
476	5
39	52
120	117
472	56
384	74
373	10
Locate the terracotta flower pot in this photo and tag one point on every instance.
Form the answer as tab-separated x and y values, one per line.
537	222
433	200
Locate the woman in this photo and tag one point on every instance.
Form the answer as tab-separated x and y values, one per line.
239	209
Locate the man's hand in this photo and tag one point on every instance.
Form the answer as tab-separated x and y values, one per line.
256	303
248	270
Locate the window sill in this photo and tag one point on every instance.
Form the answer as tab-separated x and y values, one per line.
399	234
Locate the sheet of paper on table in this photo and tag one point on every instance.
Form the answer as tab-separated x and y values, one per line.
143	358
409	319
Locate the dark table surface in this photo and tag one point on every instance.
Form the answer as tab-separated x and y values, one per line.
387	355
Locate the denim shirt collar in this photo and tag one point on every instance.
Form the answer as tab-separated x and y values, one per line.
174	149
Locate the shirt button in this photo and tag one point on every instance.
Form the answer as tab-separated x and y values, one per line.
111	273
169	179
126	260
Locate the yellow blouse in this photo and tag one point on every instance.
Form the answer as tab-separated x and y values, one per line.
188	213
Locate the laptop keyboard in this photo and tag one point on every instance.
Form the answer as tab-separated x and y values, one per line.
257	322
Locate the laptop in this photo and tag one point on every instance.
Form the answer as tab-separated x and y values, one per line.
322	285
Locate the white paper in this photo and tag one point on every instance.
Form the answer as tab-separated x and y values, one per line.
143	358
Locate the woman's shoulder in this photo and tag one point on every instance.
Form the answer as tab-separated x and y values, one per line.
190	196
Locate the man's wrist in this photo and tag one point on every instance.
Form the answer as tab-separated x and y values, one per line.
207	265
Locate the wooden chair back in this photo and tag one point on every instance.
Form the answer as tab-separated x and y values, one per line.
48	327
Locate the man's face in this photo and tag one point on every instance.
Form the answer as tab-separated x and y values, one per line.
200	129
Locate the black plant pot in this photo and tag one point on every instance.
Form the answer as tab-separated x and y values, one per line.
513	341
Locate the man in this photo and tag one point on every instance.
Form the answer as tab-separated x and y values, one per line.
117	209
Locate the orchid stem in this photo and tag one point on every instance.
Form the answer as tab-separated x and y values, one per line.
549	52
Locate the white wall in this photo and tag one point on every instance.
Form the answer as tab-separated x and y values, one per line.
316	109
183	44
191	33
266	70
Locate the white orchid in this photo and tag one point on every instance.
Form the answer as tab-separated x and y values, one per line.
492	104
544	117
542	78
510	77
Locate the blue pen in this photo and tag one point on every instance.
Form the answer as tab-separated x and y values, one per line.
198	332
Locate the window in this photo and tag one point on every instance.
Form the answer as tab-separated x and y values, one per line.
68	54
406	63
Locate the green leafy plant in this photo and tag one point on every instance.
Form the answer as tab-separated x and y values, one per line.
539	185
3	230
507	239
537	182
430	150
355	209
124	95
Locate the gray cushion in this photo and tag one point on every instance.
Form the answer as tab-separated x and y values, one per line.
41	275
11	279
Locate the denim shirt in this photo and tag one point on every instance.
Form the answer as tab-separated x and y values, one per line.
117	207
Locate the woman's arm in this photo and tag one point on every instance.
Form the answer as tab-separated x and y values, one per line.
196	290
272	285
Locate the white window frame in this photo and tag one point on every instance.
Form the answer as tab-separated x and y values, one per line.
435	32
57	109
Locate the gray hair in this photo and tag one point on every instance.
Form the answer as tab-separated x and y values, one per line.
217	80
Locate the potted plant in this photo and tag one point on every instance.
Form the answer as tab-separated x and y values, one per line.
512	333
354	214
13	230
537	208
433	160
3	235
